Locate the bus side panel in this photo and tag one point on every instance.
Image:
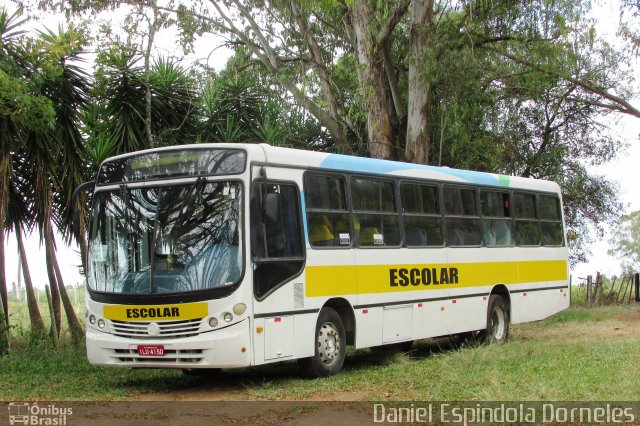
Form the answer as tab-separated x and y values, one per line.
432	319
532	299
538	305
466	313
377	270
369	327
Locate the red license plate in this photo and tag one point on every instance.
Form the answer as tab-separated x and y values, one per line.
151	350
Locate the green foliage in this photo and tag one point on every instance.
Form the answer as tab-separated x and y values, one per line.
174	106
21	106
625	242
119	93
243	103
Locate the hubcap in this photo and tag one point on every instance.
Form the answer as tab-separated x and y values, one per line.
329	343
498	322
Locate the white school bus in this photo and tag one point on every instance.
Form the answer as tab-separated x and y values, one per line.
226	255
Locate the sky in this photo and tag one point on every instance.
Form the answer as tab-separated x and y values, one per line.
620	169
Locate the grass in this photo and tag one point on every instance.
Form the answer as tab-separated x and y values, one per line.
579	354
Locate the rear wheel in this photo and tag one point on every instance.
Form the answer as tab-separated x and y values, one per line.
497	321
330	346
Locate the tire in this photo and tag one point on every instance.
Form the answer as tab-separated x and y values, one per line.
330	346
497	330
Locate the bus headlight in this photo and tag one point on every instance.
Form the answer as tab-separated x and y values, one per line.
101	323
228	317
213	322
92	319
239	308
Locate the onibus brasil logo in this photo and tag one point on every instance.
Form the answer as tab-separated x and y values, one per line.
24	413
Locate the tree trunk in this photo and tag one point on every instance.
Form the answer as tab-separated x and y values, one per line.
418	140
335	127
4	331
72	319
5	173
372	77
51	273
37	324
153	29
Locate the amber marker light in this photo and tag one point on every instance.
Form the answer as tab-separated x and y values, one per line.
259	329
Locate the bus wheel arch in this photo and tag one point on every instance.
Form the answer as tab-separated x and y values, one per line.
329	346
498	315
347	315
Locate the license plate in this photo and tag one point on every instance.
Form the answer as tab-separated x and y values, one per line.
151	350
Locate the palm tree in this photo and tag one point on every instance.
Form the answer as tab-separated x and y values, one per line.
175	107
21	109
55	180
120	105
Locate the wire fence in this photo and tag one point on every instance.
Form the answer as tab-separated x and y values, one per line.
600	290
19	311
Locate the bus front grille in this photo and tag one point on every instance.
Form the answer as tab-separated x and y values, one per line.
164	330
171	356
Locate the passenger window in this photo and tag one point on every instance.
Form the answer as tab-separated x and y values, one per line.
527	229
497	226
462	221
375	218
327	215
276	243
421	210
551	232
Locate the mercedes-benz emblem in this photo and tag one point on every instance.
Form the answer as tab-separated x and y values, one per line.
153	329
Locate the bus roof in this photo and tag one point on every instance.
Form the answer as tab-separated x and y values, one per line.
362	165
279	156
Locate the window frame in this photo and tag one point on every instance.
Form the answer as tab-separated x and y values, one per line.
439	215
255	183
396	203
510	218
535	219
559	220
345	180
447	217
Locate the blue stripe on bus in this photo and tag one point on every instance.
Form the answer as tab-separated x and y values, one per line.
369	165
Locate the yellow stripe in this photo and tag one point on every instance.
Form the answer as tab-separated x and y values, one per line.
182	311
365	279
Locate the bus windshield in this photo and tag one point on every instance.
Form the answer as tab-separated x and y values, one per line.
168	239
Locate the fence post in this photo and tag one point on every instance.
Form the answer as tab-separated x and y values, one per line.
636	279
589	279
597	284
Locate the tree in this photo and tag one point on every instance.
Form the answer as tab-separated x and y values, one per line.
625	242
55	157
22	109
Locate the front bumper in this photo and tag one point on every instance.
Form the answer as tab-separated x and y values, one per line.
223	348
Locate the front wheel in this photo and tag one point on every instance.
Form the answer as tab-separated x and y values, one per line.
330	346
497	321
